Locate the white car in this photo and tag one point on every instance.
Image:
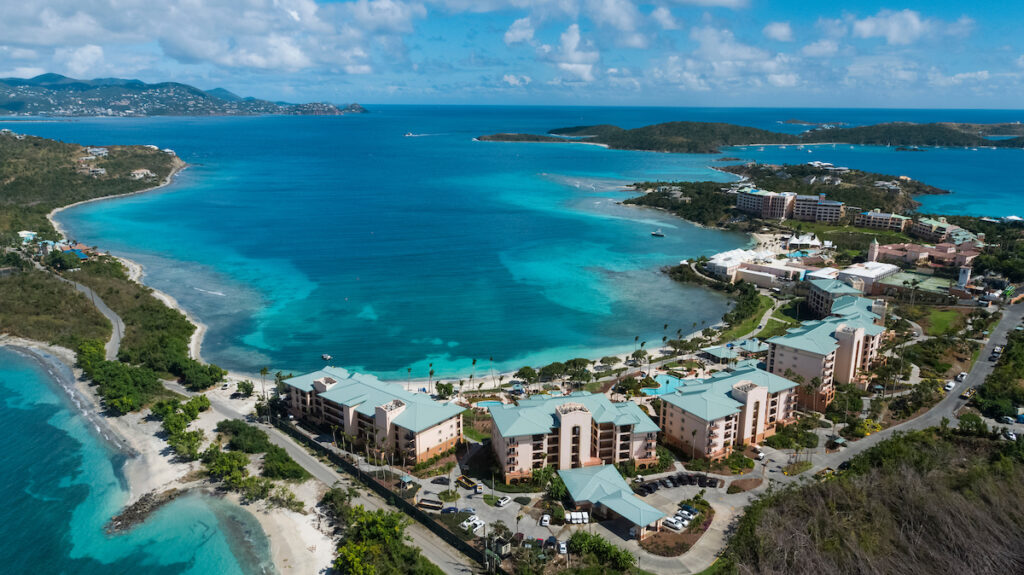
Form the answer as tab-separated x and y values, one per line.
962	376
469	521
504	501
673	523
950	385
684	514
1010	435
478	524
545	520
562	548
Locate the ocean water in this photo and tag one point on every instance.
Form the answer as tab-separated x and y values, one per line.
297	236
60	484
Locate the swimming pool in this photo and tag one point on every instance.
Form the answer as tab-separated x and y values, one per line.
666	384
489	404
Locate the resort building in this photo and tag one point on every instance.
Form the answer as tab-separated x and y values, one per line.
817	209
865	276
877	220
602	492
761	268
831	350
939	231
940	255
767	205
824	292
713	416
378	415
566	432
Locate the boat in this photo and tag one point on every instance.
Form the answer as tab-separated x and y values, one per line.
325	357
409	134
658	233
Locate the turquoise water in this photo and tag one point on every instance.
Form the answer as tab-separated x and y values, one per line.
61	483
292	237
490	404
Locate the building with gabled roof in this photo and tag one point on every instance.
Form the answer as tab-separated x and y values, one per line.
834	349
603	492
576	430
710	417
825	291
380	415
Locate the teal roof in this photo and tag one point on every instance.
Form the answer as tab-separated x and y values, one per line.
813	336
834	287
721	352
711	398
536	414
753	346
365	393
602	484
745	363
856	312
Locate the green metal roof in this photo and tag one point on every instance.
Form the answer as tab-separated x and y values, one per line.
536	414
813	336
720	352
602	484
711	399
834	287
365	393
753	346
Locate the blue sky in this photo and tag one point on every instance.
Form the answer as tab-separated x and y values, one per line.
934	54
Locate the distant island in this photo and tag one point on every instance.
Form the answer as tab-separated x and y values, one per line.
56	95
710	137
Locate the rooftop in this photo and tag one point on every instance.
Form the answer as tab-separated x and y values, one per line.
926	282
603	484
834	287
537	414
711	398
366	393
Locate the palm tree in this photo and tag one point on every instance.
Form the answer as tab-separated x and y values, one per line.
491	368
409	371
263	374
635	340
693	444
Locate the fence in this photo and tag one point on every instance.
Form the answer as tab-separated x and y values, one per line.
390	496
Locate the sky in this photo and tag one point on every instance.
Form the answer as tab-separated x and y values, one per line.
755	53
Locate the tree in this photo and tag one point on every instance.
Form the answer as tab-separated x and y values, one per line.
527	374
445	390
610	360
245	388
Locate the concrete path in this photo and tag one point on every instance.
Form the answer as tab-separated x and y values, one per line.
117	325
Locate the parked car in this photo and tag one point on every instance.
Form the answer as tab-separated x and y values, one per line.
702	481
1010	435
562	548
450	510
478	488
545	520
844	465
468	521
968	393
673	523
665	483
504	501
689	508
758	454
961	376
440	481
1006	419
949	385
685	514
469	510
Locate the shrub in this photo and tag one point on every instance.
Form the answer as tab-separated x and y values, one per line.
244	437
277	464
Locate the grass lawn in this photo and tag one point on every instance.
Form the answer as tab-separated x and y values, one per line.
773	328
750	324
474	434
942	321
797	468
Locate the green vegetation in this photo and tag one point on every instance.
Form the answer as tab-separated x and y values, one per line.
123	388
596	549
704	202
156	336
744	317
448	495
176	417
666	460
797	468
1003	391
374	543
795	435
935	356
681	137
512	137
245	438
38	175
36	305
898	509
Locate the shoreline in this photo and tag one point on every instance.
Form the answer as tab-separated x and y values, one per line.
294	540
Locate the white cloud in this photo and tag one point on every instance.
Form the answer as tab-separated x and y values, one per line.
898	28
820	49
79	62
778	31
783	80
516	81
715	3
936	78
719	44
574	56
620	15
1020	61
832	27
23	72
663	16
520	31
389	15
886	70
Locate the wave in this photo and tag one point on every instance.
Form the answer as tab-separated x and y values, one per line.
211	292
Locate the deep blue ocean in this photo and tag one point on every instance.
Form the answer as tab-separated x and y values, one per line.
61	482
296	236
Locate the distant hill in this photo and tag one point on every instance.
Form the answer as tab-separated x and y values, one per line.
56	95
710	137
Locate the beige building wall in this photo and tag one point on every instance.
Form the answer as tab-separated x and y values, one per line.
808	365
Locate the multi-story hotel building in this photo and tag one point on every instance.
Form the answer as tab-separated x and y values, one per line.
566	432
817	209
768	205
831	350
381	416
877	220
823	292
712	416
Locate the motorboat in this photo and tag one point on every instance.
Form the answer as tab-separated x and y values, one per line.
658	233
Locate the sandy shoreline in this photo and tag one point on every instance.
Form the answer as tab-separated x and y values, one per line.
295	543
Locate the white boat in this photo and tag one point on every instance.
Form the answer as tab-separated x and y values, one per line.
325	357
409	134
760	149
658	233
